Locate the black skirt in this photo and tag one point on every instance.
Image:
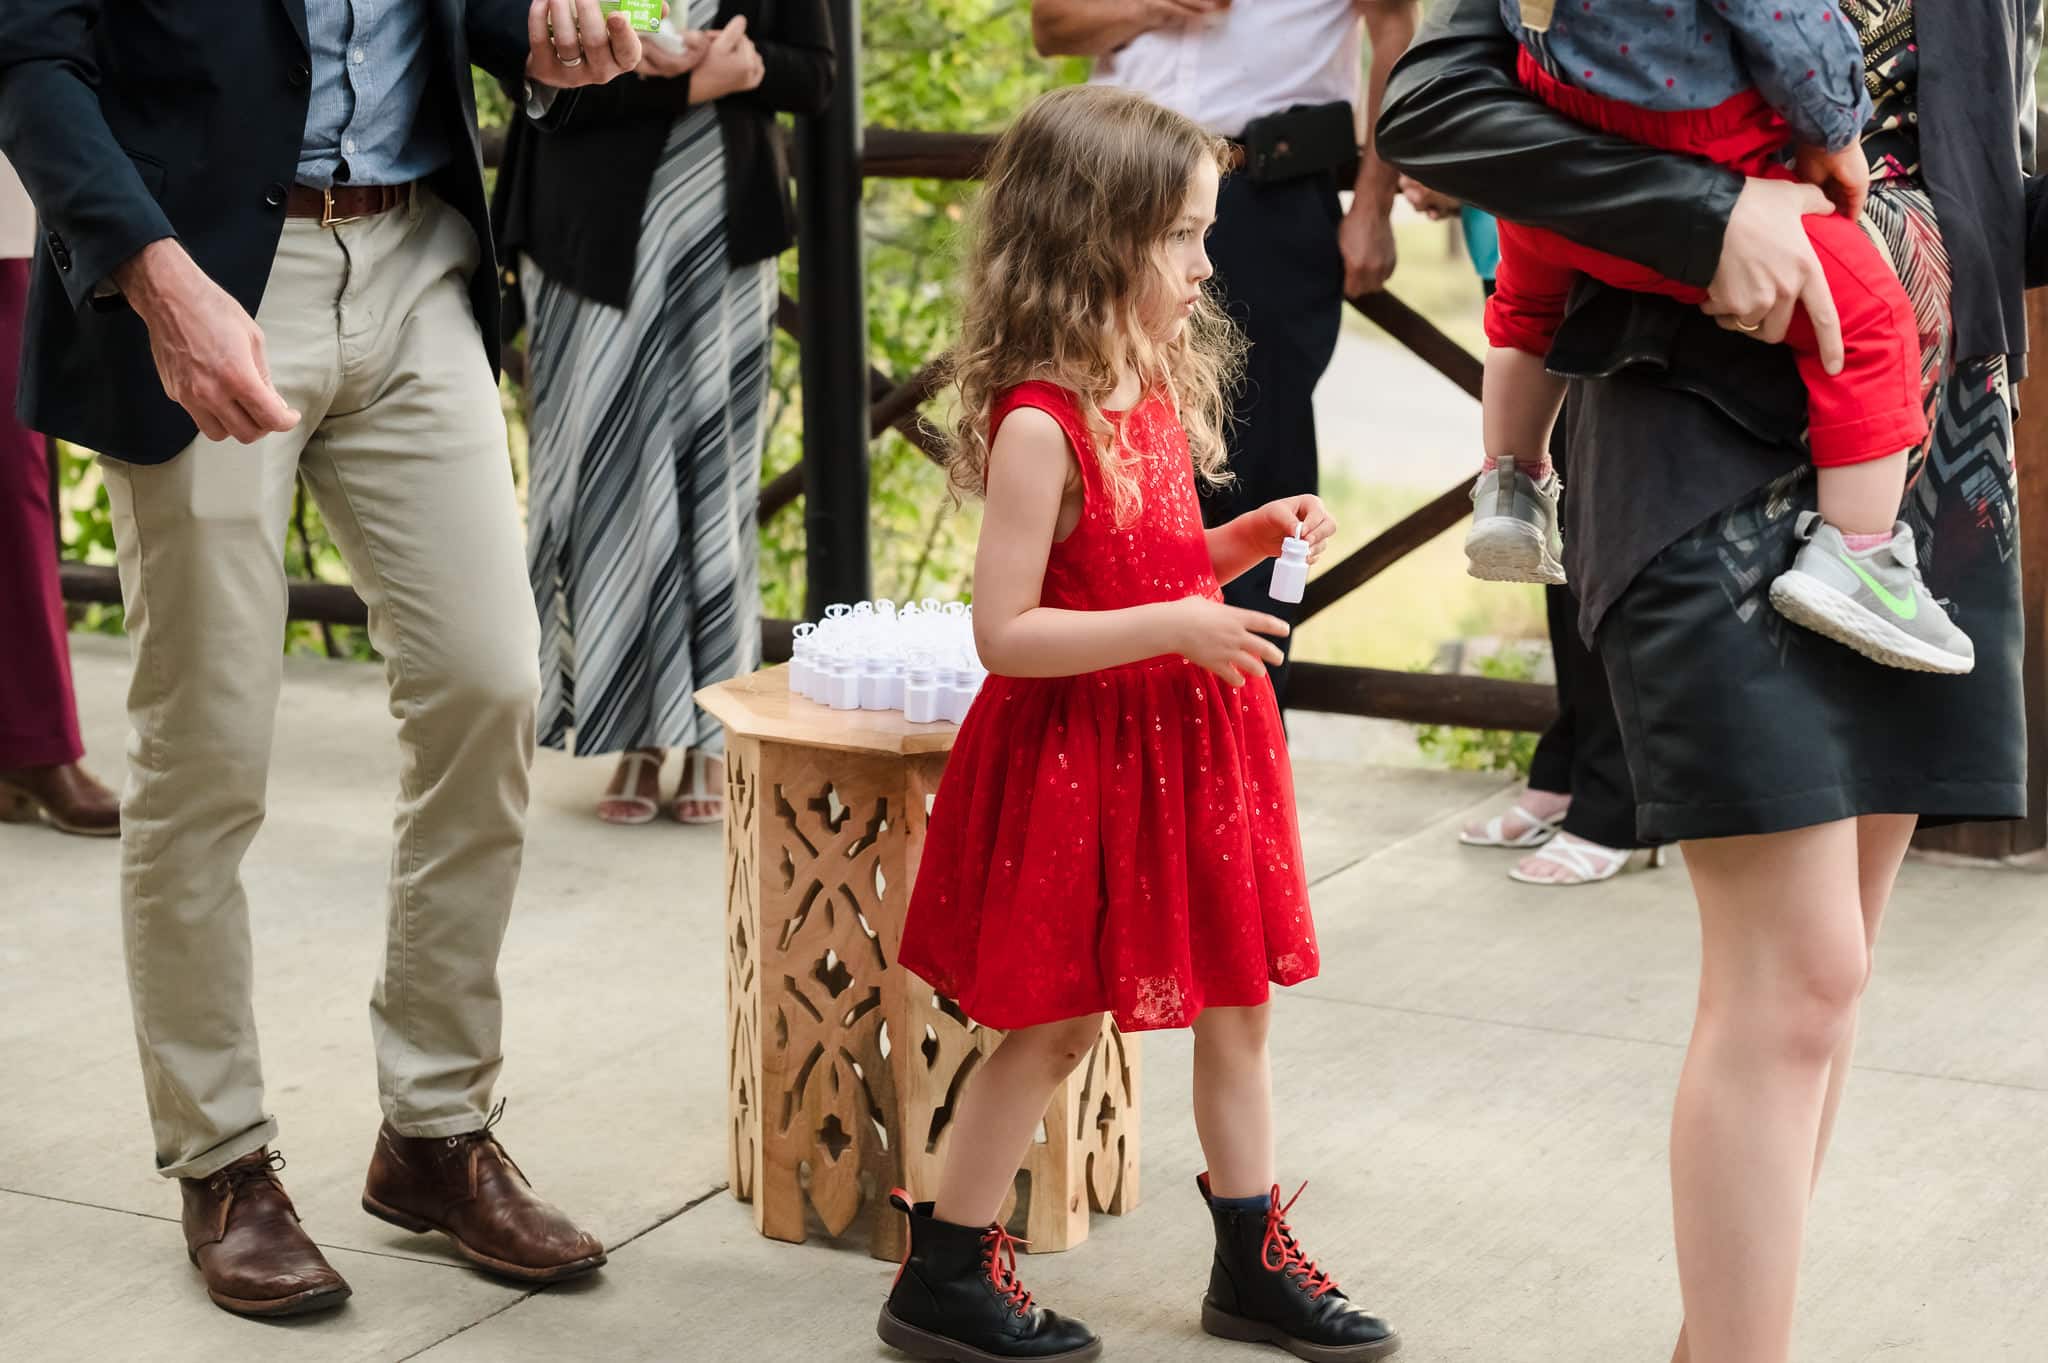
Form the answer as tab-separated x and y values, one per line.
1736	722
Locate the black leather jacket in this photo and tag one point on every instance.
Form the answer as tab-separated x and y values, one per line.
1456	119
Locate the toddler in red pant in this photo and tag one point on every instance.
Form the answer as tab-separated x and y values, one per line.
1741	83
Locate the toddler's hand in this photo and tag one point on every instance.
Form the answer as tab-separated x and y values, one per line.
1844	175
1226	640
1274	523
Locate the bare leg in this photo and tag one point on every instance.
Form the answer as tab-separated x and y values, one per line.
1863	499
1000	1111
1519	405
1881	841
1234	1099
1783	962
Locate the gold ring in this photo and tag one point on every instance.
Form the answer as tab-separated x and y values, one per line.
1744	326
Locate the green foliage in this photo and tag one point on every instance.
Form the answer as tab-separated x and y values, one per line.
943	66
1485	749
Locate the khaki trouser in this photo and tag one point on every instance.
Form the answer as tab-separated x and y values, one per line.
370	336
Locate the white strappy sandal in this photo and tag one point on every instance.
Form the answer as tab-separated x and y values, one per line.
696	790
1494	832
629	806
1584	863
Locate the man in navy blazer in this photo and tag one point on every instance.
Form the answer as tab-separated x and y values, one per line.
263	258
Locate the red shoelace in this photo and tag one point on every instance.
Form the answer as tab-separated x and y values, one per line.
1282	1254
1002	1267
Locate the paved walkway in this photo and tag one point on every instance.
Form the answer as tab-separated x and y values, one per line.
1477	1090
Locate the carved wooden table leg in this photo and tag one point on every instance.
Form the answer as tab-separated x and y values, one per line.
844	1070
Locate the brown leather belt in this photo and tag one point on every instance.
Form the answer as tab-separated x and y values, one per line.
344	203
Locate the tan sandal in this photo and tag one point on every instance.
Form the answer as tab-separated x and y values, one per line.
695	789
628	806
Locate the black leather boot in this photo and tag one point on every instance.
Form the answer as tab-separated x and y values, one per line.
1263	1289
957	1298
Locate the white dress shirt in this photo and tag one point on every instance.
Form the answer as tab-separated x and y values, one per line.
1256	57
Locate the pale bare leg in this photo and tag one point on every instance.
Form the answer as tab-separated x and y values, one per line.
1783	963
1234	1099
1519	404
999	1113
1863	499
1881	842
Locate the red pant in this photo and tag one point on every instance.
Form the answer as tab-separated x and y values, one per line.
38	722
1872	409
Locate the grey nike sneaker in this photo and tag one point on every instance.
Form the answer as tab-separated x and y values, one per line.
1873	600
1514	535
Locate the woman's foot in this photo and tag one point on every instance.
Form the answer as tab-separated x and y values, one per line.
1532	821
634	796
65	796
957	1297
1567	860
1264	1289
700	798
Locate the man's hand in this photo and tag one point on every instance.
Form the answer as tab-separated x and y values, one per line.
1768	268
572	43
209	353
1366	238
664	57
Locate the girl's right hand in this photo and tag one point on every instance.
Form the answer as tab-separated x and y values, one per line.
729	65
1225	640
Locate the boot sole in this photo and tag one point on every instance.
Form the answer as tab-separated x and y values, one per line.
1807	601
516	1272
938	1349
1498	549
1223	1325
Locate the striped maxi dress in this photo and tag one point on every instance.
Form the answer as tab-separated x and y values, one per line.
646	457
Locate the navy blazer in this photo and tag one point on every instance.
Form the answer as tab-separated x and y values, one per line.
135	120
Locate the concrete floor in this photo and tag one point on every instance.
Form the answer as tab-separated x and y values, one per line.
1477	1088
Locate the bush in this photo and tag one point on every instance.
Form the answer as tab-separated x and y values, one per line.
1485	749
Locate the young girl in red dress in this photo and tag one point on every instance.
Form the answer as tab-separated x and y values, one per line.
1116	829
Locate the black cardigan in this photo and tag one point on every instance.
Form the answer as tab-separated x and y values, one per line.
572	199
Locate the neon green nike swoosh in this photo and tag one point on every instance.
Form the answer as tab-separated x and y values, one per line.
1905	609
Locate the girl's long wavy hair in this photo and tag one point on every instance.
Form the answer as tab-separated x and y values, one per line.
1067	242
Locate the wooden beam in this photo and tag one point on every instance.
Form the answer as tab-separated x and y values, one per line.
1421	336
1389	547
1421	697
904	154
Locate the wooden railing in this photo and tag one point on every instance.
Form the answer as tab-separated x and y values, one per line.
895	403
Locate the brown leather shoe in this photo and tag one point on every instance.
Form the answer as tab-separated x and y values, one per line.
469	1189
65	797
243	1233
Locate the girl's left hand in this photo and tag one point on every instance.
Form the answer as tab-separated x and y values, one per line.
1275	523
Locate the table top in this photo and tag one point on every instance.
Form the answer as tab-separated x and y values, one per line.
760	706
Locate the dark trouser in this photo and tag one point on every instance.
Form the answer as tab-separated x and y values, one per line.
1580	755
1282	279
38	721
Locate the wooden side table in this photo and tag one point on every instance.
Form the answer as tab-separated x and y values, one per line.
844	1068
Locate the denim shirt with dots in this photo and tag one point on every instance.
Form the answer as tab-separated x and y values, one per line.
1803	56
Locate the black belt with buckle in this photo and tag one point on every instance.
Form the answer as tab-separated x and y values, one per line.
1296	143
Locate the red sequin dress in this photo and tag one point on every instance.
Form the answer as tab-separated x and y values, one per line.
1122	840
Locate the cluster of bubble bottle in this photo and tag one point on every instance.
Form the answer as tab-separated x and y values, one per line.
918	658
